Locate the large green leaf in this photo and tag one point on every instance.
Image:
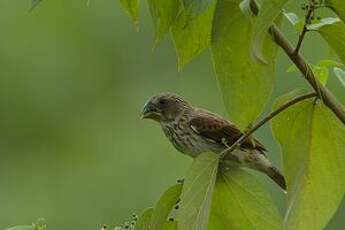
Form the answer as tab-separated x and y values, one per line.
267	14
132	9
338	7
246	85
312	141
164	206
192	35
333	31
144	220
195	7
163	15
197	193
240	202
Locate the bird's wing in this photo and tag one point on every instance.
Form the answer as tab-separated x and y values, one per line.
218	130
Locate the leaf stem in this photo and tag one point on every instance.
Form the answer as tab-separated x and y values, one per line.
266	119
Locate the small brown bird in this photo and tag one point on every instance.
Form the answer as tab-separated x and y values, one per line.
193	131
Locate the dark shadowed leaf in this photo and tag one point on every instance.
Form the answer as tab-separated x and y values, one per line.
144	220
333	31
163	14
132	9
192	35
267	14
240	202
164	206
246	85
338	6
197	193
312	141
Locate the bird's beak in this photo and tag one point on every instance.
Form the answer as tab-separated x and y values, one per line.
151	112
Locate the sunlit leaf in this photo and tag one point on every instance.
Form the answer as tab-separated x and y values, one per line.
246	85
192	35
163	14
240	202
197	193
144	220
164	206
338	7
334	33
321	72
132	9
267	14
340	75
312	141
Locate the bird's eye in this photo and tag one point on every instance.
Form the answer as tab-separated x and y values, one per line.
162	101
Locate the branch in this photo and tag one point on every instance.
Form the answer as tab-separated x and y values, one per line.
310	12
323	93
266	119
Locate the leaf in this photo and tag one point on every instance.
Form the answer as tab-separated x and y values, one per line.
269	11
312	141
340	75
195	7
144	220
329	63
292	69
132	9
192	35
21	227
294	20
169	225
164	206
163	14
240	202
338	6
197	193
321	72
323	22
334	34
245	84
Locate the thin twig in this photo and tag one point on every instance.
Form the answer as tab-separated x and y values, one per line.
266	119
309	15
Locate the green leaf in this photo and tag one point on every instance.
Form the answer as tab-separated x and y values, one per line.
338	6
195	7
163	14
312	141
197	193
144	220
329	63
164	206
292	69
246	85
21	227
269	11
323	22
340	75
240	202
169	225
192	35
321	72
132	9
294	20
334	34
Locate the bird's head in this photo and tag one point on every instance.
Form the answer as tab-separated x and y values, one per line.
164	107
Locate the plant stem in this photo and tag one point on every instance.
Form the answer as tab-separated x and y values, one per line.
311	8
264	121
323	93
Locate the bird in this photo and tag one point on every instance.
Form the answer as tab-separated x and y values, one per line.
193	131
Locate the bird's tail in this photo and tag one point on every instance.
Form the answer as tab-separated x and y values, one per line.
276	176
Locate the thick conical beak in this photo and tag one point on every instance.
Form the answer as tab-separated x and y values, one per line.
150	112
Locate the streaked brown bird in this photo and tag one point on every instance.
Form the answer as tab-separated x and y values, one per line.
193	131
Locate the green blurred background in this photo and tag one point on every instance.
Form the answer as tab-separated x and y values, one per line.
72	82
